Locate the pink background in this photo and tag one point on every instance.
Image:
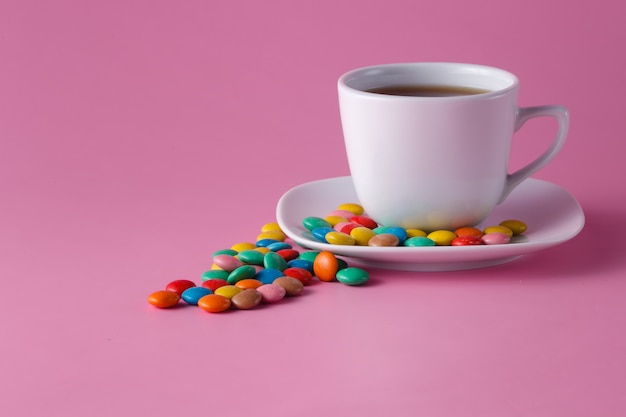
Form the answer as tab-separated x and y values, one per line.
137	137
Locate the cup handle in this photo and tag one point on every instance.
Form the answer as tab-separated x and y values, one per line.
524	114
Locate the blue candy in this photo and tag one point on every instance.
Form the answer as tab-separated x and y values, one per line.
319	233
268	275
193	294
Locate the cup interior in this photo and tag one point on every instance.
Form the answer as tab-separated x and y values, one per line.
494	80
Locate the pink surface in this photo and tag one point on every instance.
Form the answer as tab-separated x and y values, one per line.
137	137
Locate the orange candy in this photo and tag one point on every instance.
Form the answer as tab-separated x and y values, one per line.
325	266
214	303
164	299
468	231
248	283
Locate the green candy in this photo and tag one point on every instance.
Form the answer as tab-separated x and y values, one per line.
309	255
272	260
230	252
314	222
251	257
353	276
243	272
215	274
419	241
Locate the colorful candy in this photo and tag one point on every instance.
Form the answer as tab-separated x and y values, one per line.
163	299
214	303
361	230
248	274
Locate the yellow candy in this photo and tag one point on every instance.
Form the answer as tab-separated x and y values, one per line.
415	232
442	237
333	220
215	267
270	227
517	226
352	207
272	234
262	250
338	238
498	229
241	246
362	235
228	291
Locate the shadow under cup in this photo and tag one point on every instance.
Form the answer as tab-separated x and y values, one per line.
428	144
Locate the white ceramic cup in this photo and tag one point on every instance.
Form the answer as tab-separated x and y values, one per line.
436	162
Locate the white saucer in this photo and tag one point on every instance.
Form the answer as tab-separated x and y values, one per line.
552	214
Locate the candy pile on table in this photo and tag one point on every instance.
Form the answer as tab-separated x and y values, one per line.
248	274
349	225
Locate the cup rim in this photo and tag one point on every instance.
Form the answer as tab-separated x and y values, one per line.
346	81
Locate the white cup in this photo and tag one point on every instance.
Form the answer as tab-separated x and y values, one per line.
435	162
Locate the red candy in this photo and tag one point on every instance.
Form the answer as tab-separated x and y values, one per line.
364	221
301	274
214	284
467	240
288	254
179	286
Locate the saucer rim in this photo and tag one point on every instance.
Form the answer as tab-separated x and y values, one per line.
413	258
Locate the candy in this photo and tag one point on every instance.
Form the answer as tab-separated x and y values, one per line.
346	214
276	246
268	275
466	240
265	242
215	274
442	237
270	226
288	254
339	238
496	238
300	274
415	232
468	231
517	226
292	286
320	233
245	284
231	252
325	266
241	246
271	293
273	260
179	286
498	229
354	208
243	272
214	303
247	299
399	232
272	234
315	222
384	239
364	221
227	262
228	291
251	256
353	276
309	255
334	220
164	299
214	284
301	263
419	241
193	294
362	235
